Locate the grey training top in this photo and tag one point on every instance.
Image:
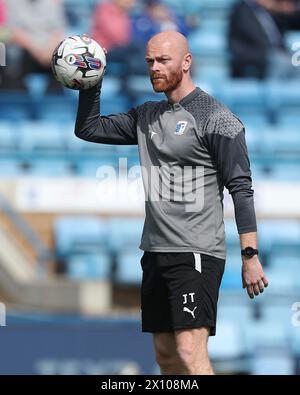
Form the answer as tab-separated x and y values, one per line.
188	152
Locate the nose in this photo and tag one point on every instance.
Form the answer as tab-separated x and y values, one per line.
155	66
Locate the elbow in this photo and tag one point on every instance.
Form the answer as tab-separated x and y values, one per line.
80	131
77	132
87	130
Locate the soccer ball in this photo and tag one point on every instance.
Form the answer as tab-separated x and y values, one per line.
79	62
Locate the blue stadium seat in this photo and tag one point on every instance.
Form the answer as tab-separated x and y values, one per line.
282	281
79	235
295	335
283	96
288	120
114	105
232	278
291	37
285	172
288	259
143	98
10	168
58	108
279	235
277	313
264	167
91	150
206	86
140	84
128	269
258	171
180	5
266	333
8	137
253	120
13	114
233	258
130	153
214	24
207	44
14	106
232	238
228	344
278	141
114	69
37	84
244	95
96	168
273	362
211	73
86	149
229	311
125	233
111	87
253	140
269	339
89	266
209	5
50	168
42	136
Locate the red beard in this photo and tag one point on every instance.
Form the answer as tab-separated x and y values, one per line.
166	84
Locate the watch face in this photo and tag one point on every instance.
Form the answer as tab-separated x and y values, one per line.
249	251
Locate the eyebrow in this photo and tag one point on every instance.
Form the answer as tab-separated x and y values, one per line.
158	57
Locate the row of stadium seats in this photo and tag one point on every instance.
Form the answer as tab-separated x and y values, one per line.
90	246
181	6
244	343
255	346
84	166
79	13
48	136
270	100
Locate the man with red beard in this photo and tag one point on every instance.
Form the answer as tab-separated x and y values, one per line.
191	147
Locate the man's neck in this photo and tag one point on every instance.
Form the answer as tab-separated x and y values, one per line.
178	94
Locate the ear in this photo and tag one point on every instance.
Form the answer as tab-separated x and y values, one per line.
187	62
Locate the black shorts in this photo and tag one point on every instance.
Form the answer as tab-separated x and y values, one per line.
180	291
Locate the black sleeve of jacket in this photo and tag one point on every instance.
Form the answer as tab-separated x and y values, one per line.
112	129
225	137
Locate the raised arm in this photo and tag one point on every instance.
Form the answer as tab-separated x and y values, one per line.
112	129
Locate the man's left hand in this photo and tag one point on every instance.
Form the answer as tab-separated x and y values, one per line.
253	276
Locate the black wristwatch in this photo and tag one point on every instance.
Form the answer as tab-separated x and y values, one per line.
249	252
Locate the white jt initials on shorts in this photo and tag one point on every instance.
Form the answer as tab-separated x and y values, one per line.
185	297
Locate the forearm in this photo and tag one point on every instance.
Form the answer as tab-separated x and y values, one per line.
248	240
244	207
88	114
113	129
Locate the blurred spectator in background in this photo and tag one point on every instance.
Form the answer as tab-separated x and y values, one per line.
112	28
3	27
3	33
155	18
35	27
256	38
112	25
2	13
